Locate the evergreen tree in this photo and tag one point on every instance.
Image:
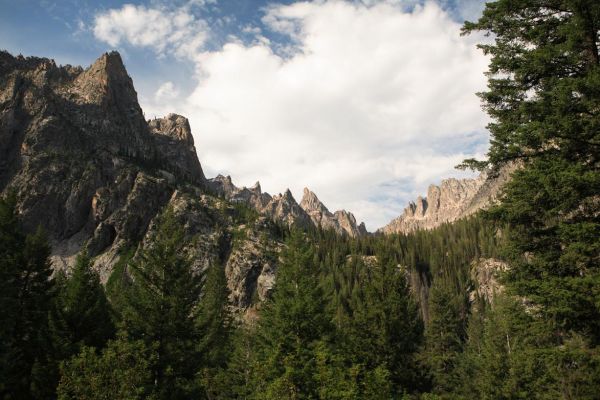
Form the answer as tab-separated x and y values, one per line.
123	370
383	332
26	298
544	91
163	307
239	379
445	332
11	243
82	314
293	325
214	326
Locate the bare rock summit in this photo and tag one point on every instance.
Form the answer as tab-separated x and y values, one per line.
453	199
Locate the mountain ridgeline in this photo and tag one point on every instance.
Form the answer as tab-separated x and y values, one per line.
88	168
452	200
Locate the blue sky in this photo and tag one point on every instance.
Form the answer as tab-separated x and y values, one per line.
365	102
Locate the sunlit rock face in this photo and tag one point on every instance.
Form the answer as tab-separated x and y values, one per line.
452	200
342	222
284	208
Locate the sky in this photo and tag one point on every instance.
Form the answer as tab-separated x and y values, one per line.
365	102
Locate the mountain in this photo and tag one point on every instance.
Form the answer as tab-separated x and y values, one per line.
284	208
342	222
87	167
453	199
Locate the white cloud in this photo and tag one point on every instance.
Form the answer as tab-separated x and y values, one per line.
165	31
373	105
167	92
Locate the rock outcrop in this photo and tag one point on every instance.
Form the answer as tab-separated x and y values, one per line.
342	222
284	208
452	200
83	161
85	165
485	274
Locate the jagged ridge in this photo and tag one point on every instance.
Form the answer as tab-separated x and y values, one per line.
283	207
452	200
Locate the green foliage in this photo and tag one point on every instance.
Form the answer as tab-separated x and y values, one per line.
214	325
26	297
543	78
553	242
123	370
119	282
516	356
82	315
445	333
382	331
292	326
544	91
162	309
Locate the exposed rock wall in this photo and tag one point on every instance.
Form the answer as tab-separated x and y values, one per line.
342	222
284	208
86	166
485	273
452	200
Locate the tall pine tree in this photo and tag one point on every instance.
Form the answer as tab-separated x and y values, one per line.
162	309
544	91
292	327
26	298
82	315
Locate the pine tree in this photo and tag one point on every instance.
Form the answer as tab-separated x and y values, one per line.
162	309
11	241
544	91
27	296
383	332
123	370
82	315
239	380
445	332
214	326
293	325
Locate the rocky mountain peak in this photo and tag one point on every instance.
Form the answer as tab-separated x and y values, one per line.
288	196
420	206
451	200
311	203
284	208
342	221
173	126
106	82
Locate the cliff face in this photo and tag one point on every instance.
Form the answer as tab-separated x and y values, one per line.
54	119
79	154
86	166
342	222
452	200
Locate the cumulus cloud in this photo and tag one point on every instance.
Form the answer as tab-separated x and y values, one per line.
371	105
166	93
165	31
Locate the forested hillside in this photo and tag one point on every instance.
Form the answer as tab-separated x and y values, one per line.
345	319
